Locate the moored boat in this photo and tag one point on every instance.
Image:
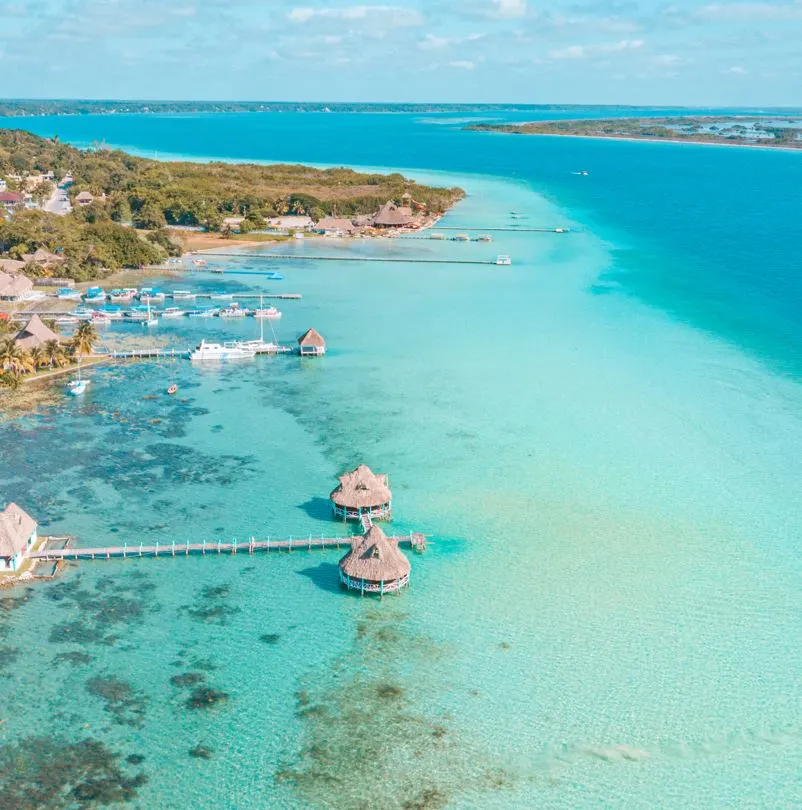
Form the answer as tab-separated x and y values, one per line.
201	313
267	313
183	295
173	312
95	295
220	296
77	387
233	311
503	260
68	294
219	351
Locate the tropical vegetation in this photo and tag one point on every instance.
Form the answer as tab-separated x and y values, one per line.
16	363
137	199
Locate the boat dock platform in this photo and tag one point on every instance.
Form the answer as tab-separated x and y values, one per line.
508	229
310	258
416	541
135	354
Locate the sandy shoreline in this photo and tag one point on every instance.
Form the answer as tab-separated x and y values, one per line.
641	139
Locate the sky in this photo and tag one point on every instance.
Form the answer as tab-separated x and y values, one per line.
524	51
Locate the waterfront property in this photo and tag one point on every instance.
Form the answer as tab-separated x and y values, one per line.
34	334
391	215
335	226
17	537
14	288
362	492
311	344
374	564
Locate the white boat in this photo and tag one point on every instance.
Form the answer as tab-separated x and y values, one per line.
66	320
219	351
267	313
199	263
484	238
201	313
559	230
462	237
173	312
183	295
150	320
218	270
95	295
100	319
261	346
503	260
68	294
232	312
77	387
221	297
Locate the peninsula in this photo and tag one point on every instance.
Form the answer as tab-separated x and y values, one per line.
784	131
97	210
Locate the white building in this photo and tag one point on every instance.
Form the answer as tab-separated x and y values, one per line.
17	537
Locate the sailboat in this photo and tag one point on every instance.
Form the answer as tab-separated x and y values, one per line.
150	320
260	346
79	386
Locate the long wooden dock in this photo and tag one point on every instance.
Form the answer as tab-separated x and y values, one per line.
414	540
508	229
135	354
312	258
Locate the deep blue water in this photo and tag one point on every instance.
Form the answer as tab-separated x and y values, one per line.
708	233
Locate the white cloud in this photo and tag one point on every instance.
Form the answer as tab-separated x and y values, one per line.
509	9
750	12
587	51
391	16
462	64
432	43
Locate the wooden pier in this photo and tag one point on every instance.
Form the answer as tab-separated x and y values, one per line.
414	540
508	229
294	257
136	354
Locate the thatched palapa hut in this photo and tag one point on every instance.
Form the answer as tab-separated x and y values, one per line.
374	564
392	216
34	334
362	492
311	344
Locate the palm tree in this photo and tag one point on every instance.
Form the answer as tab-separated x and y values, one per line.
54	354
83	342
13	359
37	357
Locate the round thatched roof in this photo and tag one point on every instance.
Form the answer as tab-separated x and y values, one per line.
361	489
375	558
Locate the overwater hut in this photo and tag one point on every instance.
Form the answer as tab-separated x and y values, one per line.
391	215
311	344
362	492
375	564
34	334
17	537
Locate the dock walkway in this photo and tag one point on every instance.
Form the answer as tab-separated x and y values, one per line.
311	258
413	540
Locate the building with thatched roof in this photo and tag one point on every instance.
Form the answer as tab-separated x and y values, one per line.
391	215
84	198
335	226
34	334
17	537
42	256
10	266
362	492
375	564
15	288
311	344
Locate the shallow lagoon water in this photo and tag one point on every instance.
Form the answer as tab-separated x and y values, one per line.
608	613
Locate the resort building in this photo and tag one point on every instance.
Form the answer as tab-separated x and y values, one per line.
34	334
362	492
375	564
311	344
11	201
10	266
14	288
44	257
17	537
84	198
291	223
335	226
392	216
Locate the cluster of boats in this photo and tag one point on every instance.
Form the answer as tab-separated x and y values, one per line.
114	308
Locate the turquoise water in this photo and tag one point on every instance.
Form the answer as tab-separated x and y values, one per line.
602	439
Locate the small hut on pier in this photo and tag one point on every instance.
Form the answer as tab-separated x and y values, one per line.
362	492
311	344
375	564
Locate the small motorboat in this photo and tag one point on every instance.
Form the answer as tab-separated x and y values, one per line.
68	294
95	295
462	237
183	295
77	387
199	263
172	389
173	312
267	313
503	260
232	312
273	276
201	313
100	319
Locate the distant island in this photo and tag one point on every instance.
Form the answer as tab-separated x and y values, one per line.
93	211
35	107
742	130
